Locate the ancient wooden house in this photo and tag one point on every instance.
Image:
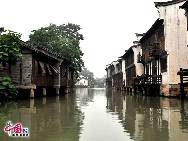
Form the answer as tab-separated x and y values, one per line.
164	49
153	62
117	77
130	69
154	57
133	67
40	71
110	69
114	75
121	73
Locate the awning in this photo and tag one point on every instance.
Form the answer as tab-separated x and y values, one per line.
42	67
55	70
49	69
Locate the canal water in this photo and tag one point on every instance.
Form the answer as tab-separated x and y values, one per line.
98	115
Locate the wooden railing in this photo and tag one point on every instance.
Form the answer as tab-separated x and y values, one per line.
183	73
148	79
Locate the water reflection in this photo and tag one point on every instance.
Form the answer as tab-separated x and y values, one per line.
98	115
146	118
98	124
54	118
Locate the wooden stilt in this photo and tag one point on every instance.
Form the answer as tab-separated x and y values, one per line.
44	100
44	91
57	91
31	103
32	93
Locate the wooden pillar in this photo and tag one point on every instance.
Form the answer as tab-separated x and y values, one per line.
44	100
182	92
31	103
133	91
44	91
57	90
32	93
57	98
57	78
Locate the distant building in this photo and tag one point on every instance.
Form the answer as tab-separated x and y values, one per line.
83	83
121	73
114	75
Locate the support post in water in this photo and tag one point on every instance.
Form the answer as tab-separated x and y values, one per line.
182	92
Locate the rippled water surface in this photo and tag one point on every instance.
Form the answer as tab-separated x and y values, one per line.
98	115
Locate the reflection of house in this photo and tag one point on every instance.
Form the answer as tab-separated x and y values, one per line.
175	113
39	71
83	82
146	118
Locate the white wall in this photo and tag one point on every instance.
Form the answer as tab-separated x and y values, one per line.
139	66
114	64
123	71
82	82
175	31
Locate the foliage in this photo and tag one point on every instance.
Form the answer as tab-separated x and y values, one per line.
10	45
88	75
63	40
7	89
100	82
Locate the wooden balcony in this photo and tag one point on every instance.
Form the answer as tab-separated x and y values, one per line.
155	51
148	79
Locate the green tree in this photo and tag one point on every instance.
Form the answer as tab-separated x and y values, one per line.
10	52
10	45
63	40
7	88
89	76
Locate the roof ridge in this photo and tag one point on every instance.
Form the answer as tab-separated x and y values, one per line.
167	3
43	50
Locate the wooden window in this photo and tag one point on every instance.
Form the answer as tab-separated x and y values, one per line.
39	69
147	69
154	67
164	64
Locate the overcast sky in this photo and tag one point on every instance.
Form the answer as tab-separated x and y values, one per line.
107	25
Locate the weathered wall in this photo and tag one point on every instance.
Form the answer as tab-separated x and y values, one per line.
114	64
139	66
123	71
16	73
26	69
175	25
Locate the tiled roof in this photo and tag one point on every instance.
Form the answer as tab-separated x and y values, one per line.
168	3
157	23
43	50
185	5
